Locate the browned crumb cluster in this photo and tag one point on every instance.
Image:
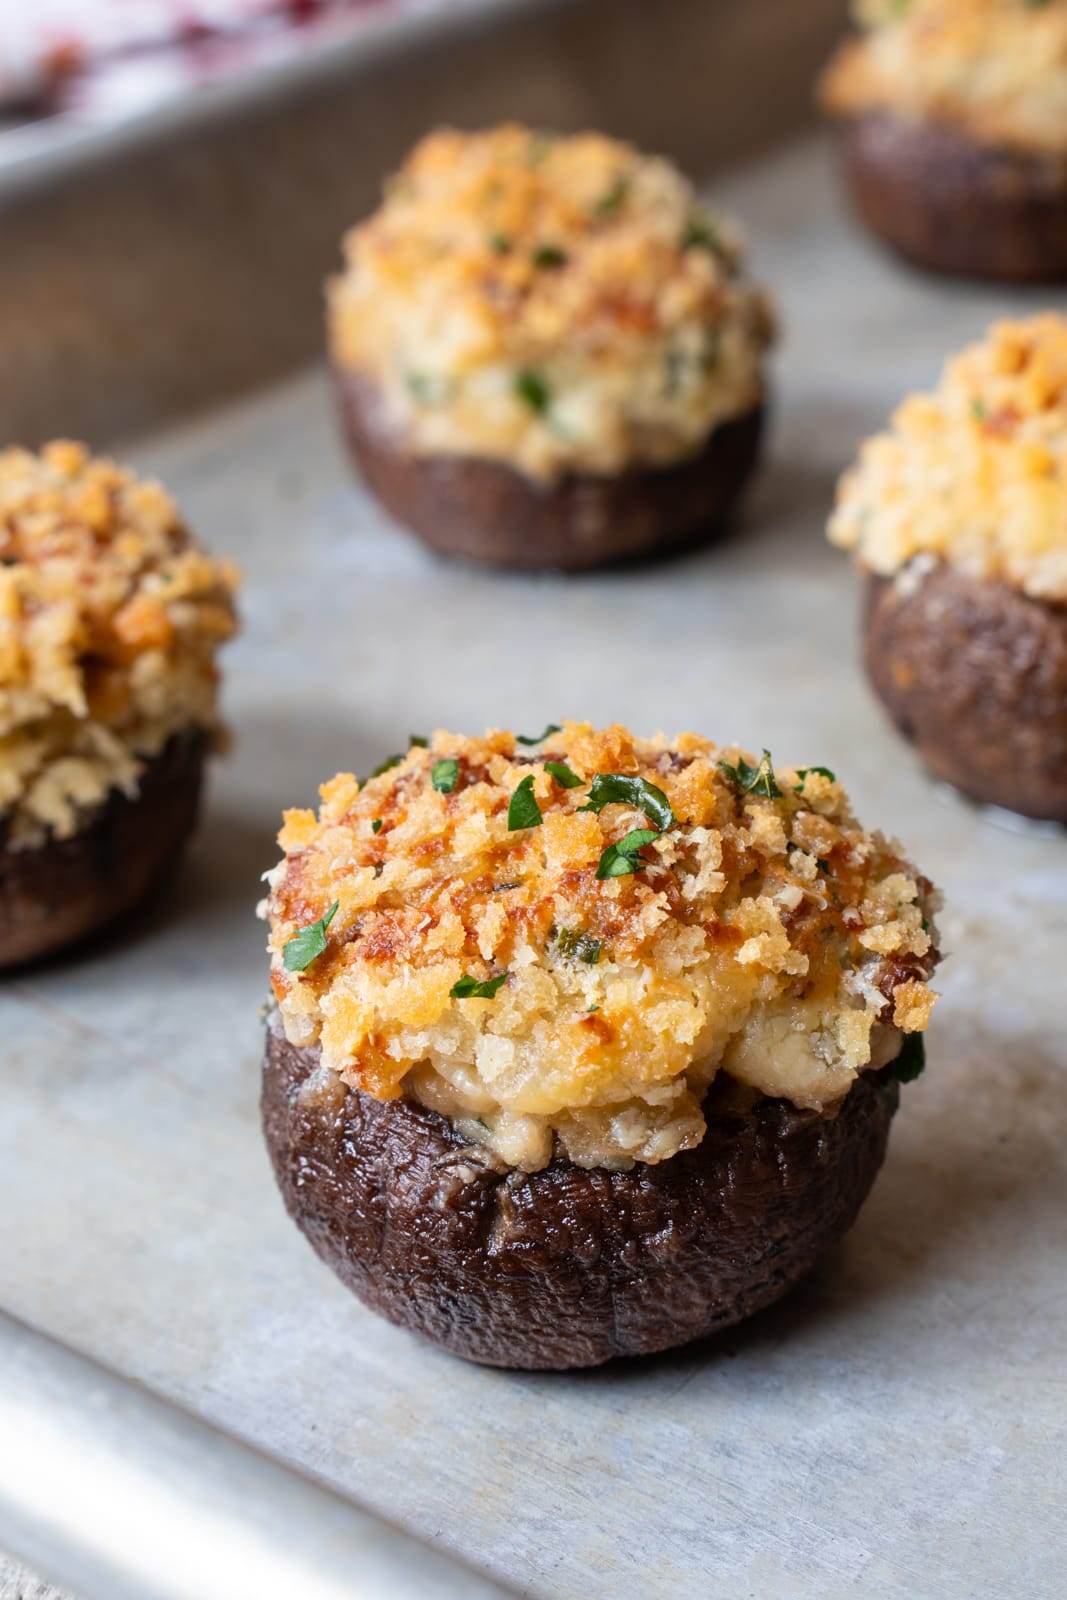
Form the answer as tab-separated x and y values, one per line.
110	620
996	69
542	970
973	474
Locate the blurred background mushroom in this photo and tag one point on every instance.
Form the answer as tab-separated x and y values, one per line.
175	174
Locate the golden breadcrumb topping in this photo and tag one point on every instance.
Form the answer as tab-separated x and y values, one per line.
995	68
975	473
110	619
554	303
551	955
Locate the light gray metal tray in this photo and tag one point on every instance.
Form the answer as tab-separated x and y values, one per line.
896	1429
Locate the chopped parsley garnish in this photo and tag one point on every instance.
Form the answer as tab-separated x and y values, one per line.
415	741
573	945
500	243
553	727
444	775
619	860
911	1060
979	410
614	788
563	774
549	255
523	810
824	772
613	197
301	950
539	147
753	780
533	389
468	988
376	825
428	388
700	235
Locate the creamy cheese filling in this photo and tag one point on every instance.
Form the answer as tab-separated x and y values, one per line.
776	1054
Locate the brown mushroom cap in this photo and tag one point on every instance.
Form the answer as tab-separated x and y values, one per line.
565	1267
58	892
974	673
488	511
953	205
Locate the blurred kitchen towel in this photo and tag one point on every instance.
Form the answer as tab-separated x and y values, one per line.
109	57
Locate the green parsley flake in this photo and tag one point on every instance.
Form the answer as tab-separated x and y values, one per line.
302	949
619	860
563	774
614	788
573	945
468	988
552	727
533	390
613	197
428	389
753	780
911	1060
549	256
376	825
700	235
444	775
824	772
387	765
523	810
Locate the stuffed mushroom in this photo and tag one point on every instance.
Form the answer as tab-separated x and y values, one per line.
588	1046
953	118
110	619
958	517
546	352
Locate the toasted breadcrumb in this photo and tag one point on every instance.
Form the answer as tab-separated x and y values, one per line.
974	474
997	69
733	947
110	619
554	303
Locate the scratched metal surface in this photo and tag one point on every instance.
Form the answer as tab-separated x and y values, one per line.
896	1428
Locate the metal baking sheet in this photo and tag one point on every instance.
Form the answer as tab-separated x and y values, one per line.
894	1429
